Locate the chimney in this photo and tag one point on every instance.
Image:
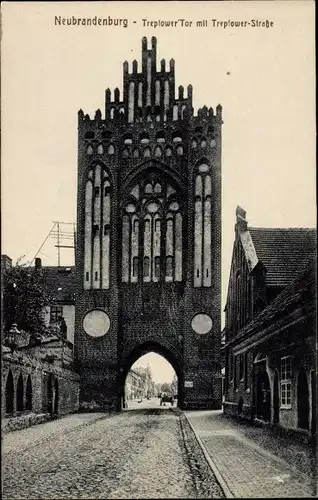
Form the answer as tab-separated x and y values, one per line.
38	263
241	222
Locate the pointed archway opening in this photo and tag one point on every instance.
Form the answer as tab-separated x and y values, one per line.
9	394
20	394
28	405
151	378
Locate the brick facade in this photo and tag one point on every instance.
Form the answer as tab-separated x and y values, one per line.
148	136
269	353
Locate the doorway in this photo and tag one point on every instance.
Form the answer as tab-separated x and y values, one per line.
263	395
276	399
302	400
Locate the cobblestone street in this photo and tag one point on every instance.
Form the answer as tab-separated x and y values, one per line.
135	454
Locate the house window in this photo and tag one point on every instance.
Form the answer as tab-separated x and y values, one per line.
285	385
245	370
230	366
235	372
241	372
55	313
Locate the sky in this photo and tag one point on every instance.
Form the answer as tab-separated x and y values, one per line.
161	369
263	77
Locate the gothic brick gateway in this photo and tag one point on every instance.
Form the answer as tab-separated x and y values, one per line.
149	237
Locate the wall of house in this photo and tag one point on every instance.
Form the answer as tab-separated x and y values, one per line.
69	316
244	392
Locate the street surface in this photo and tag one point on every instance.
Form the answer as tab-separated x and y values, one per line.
135	454
147	404
252	462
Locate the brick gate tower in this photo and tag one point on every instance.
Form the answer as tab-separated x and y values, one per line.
149	237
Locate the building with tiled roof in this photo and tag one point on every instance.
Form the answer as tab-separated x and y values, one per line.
38	376
269	349
61	282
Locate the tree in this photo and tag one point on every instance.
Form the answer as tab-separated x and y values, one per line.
25	295
165	387
174	385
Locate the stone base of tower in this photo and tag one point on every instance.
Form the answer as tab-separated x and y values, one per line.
203	396
98	390
201	404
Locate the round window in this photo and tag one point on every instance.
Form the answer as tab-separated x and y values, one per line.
96	323
152	207
130	208
201	323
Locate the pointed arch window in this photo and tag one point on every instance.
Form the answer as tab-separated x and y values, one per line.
168	152
112	113
125	153
140	94
147	152
136	153
150	233
97	229
135	267
89	150
158	151
100	149
148	188
180	150
202	227
157	92
131	102
111	149
169	268
146	267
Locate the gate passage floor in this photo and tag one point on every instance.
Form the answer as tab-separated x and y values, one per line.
135	454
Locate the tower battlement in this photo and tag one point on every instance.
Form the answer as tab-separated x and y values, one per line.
150	95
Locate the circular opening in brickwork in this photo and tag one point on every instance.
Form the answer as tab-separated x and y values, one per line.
96	323
130	208
174	206
153	207
201	323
